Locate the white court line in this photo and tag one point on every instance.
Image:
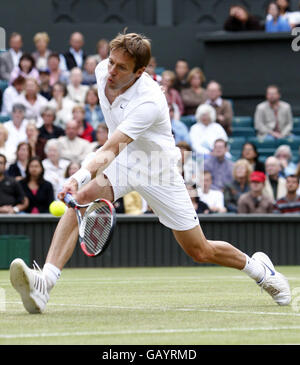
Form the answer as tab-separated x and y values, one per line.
167	309
147	331
195	279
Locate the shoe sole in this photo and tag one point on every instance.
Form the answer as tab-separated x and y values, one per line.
20	281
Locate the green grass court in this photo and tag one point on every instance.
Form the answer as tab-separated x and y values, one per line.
153	306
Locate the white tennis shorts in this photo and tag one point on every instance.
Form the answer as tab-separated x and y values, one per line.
170	202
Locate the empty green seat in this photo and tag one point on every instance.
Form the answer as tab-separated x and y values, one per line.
188	120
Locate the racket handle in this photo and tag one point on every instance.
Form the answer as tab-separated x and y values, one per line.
68	199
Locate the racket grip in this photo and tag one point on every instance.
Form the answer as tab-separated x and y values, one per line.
68	199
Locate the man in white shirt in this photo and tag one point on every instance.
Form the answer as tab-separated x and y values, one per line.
9	60
213	198
11	94
16	127
137	115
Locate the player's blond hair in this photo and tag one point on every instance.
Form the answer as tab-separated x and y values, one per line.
136	45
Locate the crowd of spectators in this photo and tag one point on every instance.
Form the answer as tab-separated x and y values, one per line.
54	121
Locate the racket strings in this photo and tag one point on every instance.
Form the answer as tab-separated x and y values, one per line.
97	227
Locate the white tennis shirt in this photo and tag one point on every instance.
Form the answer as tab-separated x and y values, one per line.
141	113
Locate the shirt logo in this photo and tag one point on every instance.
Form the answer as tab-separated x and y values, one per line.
122	106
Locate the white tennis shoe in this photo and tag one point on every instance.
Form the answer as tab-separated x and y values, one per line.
30	284
274	283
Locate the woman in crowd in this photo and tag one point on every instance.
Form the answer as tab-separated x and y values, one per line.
101	136
71	169
61	104
194	95
275	22
206	131
56	74
41	41
36	143
240	19
88	73
93	112
33	101
76	91
54	166
38	191
284	155
250	153
85	130
18	169
172	95
26	68
241	174
6	149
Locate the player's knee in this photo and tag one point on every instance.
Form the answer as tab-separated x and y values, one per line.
201	255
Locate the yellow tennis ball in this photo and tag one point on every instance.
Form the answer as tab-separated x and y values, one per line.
57	208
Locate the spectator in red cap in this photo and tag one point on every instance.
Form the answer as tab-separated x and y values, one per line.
254	201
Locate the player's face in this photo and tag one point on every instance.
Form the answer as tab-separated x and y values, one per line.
120	70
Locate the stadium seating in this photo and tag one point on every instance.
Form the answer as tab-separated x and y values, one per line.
246	132
3	85
242	121
188	120
4	118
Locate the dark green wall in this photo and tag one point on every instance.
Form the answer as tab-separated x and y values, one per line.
178	28
143	241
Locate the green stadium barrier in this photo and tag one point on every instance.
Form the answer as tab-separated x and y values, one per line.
13	246
4	118
3	85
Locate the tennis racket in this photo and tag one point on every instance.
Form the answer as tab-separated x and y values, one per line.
96	226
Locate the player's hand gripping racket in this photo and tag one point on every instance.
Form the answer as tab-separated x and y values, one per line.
96	226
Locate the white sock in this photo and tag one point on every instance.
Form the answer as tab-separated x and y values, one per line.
254	269
52	274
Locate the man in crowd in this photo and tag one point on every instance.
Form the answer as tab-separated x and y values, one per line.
255	201
12	197
75	56
219	167
10	59
290	203
273	118
275	186
223	107
72	147
16	127
181	72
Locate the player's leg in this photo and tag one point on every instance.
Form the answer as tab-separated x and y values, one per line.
174	208
200	249
259	267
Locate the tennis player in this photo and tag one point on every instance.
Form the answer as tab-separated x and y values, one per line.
137	115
